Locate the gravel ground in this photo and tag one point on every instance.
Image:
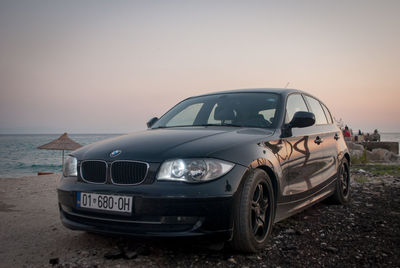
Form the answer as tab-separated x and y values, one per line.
365	233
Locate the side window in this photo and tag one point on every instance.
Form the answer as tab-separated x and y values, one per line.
211	119
316	108
186	116
328	114
295	103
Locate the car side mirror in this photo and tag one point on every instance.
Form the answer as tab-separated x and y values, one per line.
151	122
302	119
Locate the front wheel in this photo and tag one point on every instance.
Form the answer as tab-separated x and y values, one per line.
255	213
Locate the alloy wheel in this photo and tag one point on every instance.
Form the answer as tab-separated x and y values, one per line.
344	179
260	211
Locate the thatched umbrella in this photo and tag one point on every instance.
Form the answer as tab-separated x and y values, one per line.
62	143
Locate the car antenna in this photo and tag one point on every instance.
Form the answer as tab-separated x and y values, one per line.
287	84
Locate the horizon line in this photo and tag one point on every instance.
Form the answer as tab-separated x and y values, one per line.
122	133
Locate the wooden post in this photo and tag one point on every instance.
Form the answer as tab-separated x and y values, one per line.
62	165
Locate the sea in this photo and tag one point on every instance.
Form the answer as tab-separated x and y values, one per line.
20	157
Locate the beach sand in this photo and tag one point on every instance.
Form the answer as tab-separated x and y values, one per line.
31	232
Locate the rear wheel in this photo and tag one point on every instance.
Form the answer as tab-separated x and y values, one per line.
255	213
342	192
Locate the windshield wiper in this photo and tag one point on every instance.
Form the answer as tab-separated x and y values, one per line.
202	125
218	125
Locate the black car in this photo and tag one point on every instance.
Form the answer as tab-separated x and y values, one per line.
227	164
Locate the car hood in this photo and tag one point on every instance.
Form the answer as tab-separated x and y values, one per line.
157	145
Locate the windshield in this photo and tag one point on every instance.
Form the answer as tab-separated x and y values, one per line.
235	109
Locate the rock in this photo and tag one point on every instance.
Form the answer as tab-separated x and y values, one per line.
290	231
290	247
54	261
354	146
130	254
381	155
356	154
232	260
393	157
253	257
332	249
85	254
114	254
369	155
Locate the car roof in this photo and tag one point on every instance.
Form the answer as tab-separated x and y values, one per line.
281	91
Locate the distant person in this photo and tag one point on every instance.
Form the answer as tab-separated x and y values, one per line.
359	137
346	132
376	136
368	137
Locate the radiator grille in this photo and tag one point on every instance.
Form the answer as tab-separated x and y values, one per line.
128	172
94	171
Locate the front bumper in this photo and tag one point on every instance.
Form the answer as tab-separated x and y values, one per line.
163	209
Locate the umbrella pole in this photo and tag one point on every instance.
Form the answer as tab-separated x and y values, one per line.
62	165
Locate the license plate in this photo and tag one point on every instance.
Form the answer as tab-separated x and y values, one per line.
104	202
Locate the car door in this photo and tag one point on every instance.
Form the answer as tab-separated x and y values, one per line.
322	166
337	135
296	168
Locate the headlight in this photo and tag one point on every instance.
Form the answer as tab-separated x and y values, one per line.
70	167
193	170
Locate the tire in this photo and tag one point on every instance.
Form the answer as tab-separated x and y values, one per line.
341	196
254	214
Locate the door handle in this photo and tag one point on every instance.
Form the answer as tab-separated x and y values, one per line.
336	137
318	140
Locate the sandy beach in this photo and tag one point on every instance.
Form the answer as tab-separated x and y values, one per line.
30	229
31	232
364	233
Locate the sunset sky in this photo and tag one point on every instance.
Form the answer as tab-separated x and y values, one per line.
109	66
